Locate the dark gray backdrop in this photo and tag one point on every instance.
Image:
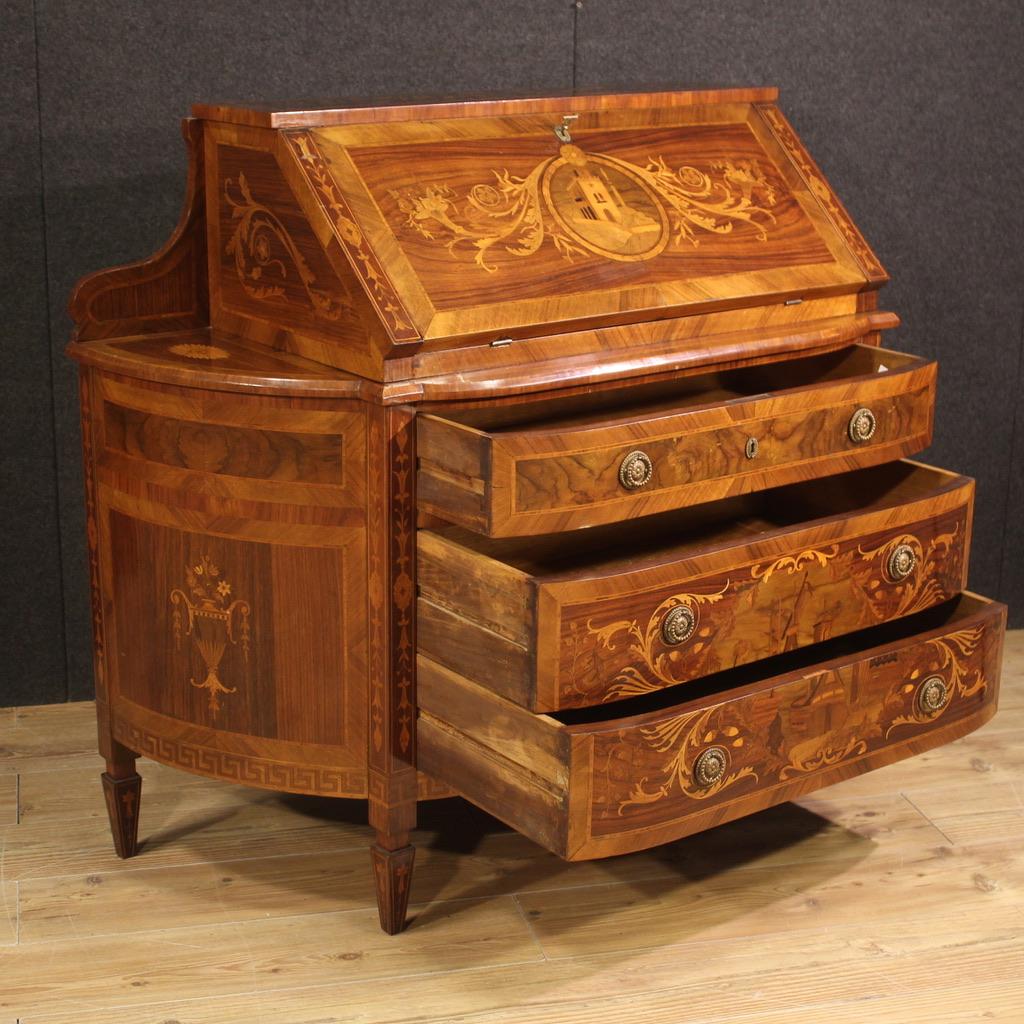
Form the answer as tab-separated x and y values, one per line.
912	109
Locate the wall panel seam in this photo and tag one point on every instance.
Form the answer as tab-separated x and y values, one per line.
58	504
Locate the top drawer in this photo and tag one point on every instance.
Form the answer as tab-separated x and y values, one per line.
560	463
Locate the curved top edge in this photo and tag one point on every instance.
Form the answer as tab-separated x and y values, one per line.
362	112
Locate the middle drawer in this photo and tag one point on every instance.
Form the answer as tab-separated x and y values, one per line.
573	620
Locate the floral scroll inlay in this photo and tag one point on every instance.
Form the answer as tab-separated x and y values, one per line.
265	254
588	203
212	619
682	739
644	642
794	563
952	652
920	588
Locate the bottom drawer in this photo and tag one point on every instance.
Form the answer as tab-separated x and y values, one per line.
587	785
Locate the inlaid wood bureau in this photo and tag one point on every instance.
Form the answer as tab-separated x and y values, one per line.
539	451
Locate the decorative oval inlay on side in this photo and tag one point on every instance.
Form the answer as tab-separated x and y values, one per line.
194	350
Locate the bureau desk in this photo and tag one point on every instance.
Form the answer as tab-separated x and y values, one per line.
545	452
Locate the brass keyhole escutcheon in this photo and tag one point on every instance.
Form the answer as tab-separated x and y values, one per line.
901	563
862	426
753	446
678	625
635	471
932	696
710	767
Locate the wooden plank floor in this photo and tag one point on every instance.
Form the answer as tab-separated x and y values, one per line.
896	897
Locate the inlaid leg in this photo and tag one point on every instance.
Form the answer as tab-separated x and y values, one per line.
392	662
122	789
392	875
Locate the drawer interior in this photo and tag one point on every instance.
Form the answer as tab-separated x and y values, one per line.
620	405
605	549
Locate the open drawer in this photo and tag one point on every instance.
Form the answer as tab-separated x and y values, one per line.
586	784
573	620
555	464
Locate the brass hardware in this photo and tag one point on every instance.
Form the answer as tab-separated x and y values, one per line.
753	446
901	563
678	625
710	767
501	342
562	130
793	302
635	471
862	426
932	696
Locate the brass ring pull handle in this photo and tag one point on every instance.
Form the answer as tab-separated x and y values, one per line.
932	696
678	625
635	471
901	563
710	767
862	426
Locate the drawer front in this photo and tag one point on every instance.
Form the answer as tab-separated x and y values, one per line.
591	790
622	646
516	481
550	643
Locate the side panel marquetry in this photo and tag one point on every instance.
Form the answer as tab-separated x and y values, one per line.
270	262
249	638
279	277
232	530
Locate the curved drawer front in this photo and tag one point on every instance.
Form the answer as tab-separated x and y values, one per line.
611	462
590	787
548	639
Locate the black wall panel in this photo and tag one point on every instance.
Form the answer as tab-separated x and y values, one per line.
30	575
116	78
910	109
1013	534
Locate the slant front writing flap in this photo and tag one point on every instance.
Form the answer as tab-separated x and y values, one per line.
478	225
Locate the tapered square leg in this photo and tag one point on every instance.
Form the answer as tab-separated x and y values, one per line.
122	796
392	875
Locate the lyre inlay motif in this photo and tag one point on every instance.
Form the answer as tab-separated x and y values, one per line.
589	203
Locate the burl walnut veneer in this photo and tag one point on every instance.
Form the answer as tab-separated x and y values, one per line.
343	435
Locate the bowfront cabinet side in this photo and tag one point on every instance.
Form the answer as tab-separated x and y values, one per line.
542	452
